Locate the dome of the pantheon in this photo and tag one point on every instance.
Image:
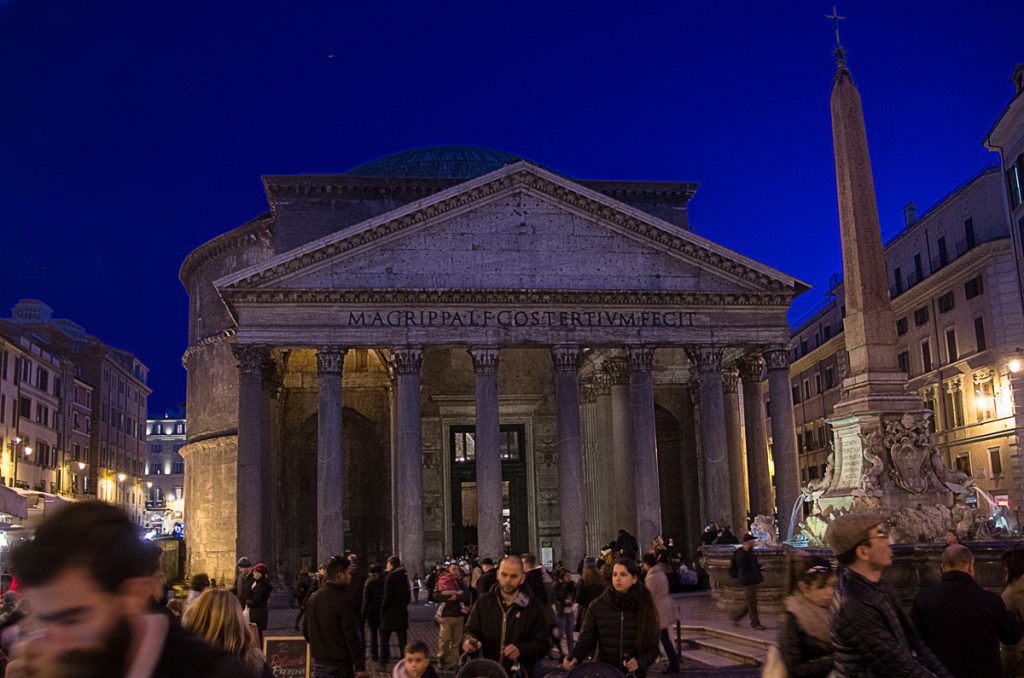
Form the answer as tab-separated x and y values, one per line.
436	162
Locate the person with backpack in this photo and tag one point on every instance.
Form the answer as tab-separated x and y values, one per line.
300	587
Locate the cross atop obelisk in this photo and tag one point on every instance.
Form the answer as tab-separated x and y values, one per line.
840	53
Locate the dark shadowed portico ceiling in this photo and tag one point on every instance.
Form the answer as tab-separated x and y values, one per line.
436	162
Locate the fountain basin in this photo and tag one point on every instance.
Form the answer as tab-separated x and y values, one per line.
914	567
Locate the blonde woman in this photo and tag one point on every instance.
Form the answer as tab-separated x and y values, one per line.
216	616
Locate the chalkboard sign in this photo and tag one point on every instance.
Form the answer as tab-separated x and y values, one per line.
288	656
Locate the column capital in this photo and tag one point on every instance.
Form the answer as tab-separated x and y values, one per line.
587	394
602	383
776	357
730	380
407	359
329	359
617	370
566	357
485	359
251	357
706	358
641	358
751	368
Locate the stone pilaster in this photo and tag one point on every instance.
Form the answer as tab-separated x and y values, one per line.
409	457
693	389
330	521
645	445
759	480
622	459
488	453
250	540
717	483
787	470
570	462
734	443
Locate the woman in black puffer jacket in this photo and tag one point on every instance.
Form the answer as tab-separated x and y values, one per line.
622	623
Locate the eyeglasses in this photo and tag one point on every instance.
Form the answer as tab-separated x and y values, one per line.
882	534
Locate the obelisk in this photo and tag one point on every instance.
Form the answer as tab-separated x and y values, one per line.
874	390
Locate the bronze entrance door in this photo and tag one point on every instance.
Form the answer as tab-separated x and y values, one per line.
513	491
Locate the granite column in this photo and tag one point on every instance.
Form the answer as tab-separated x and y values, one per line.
717	484
622	467
249	498
787	473
645	445
330	519
759	480
570	461
409	454
488	454
734	443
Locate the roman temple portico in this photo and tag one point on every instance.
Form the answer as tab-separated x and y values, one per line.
514	362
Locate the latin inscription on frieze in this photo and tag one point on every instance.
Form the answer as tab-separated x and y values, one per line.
515	318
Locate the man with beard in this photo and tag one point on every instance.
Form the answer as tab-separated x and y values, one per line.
89	578
506	624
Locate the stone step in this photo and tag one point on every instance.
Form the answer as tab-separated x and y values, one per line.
735	652
738	636
709	659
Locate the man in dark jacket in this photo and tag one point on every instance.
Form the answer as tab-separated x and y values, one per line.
394	610
626	545
871	635
331	626
487	579
373	599
90	578
243	580
962	622
506	625
747	571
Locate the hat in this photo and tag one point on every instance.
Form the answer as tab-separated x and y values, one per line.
244	562
749	537
846	532
261	568
486	561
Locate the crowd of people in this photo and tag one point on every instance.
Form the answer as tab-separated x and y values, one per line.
90	600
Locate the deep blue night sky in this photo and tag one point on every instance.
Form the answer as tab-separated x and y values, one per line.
132	132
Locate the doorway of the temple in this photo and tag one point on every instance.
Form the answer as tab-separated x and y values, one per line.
514	510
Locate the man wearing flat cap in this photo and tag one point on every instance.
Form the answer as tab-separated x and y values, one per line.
870	631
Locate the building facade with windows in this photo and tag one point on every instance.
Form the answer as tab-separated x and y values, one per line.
110	385
165	473
957	302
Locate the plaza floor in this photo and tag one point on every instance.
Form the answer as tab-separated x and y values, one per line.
711	645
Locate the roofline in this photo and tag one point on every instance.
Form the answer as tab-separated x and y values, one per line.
235	277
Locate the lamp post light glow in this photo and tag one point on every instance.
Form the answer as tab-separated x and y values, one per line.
121	477
81	466
28	451
1014	365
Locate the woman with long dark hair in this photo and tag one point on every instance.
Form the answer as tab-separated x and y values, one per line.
621	624
592	584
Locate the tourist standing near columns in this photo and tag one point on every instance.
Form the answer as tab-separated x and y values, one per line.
621	625
243	580
961	622
565	603
746	569
394	610
450	597
259	598
331	626
871	633
656	582
488	577
373	600
1013	597
506	624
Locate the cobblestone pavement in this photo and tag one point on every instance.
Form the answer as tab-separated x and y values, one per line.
695	609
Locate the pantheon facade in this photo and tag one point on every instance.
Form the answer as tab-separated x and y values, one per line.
453	350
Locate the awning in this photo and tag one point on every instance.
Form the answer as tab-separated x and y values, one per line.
13	503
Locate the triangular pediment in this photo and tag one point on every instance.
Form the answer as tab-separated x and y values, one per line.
519	228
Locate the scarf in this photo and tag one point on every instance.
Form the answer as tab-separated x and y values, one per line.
812	619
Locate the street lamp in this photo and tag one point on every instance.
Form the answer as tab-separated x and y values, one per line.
1014	365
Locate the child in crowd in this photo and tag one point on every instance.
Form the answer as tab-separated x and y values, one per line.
416	663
